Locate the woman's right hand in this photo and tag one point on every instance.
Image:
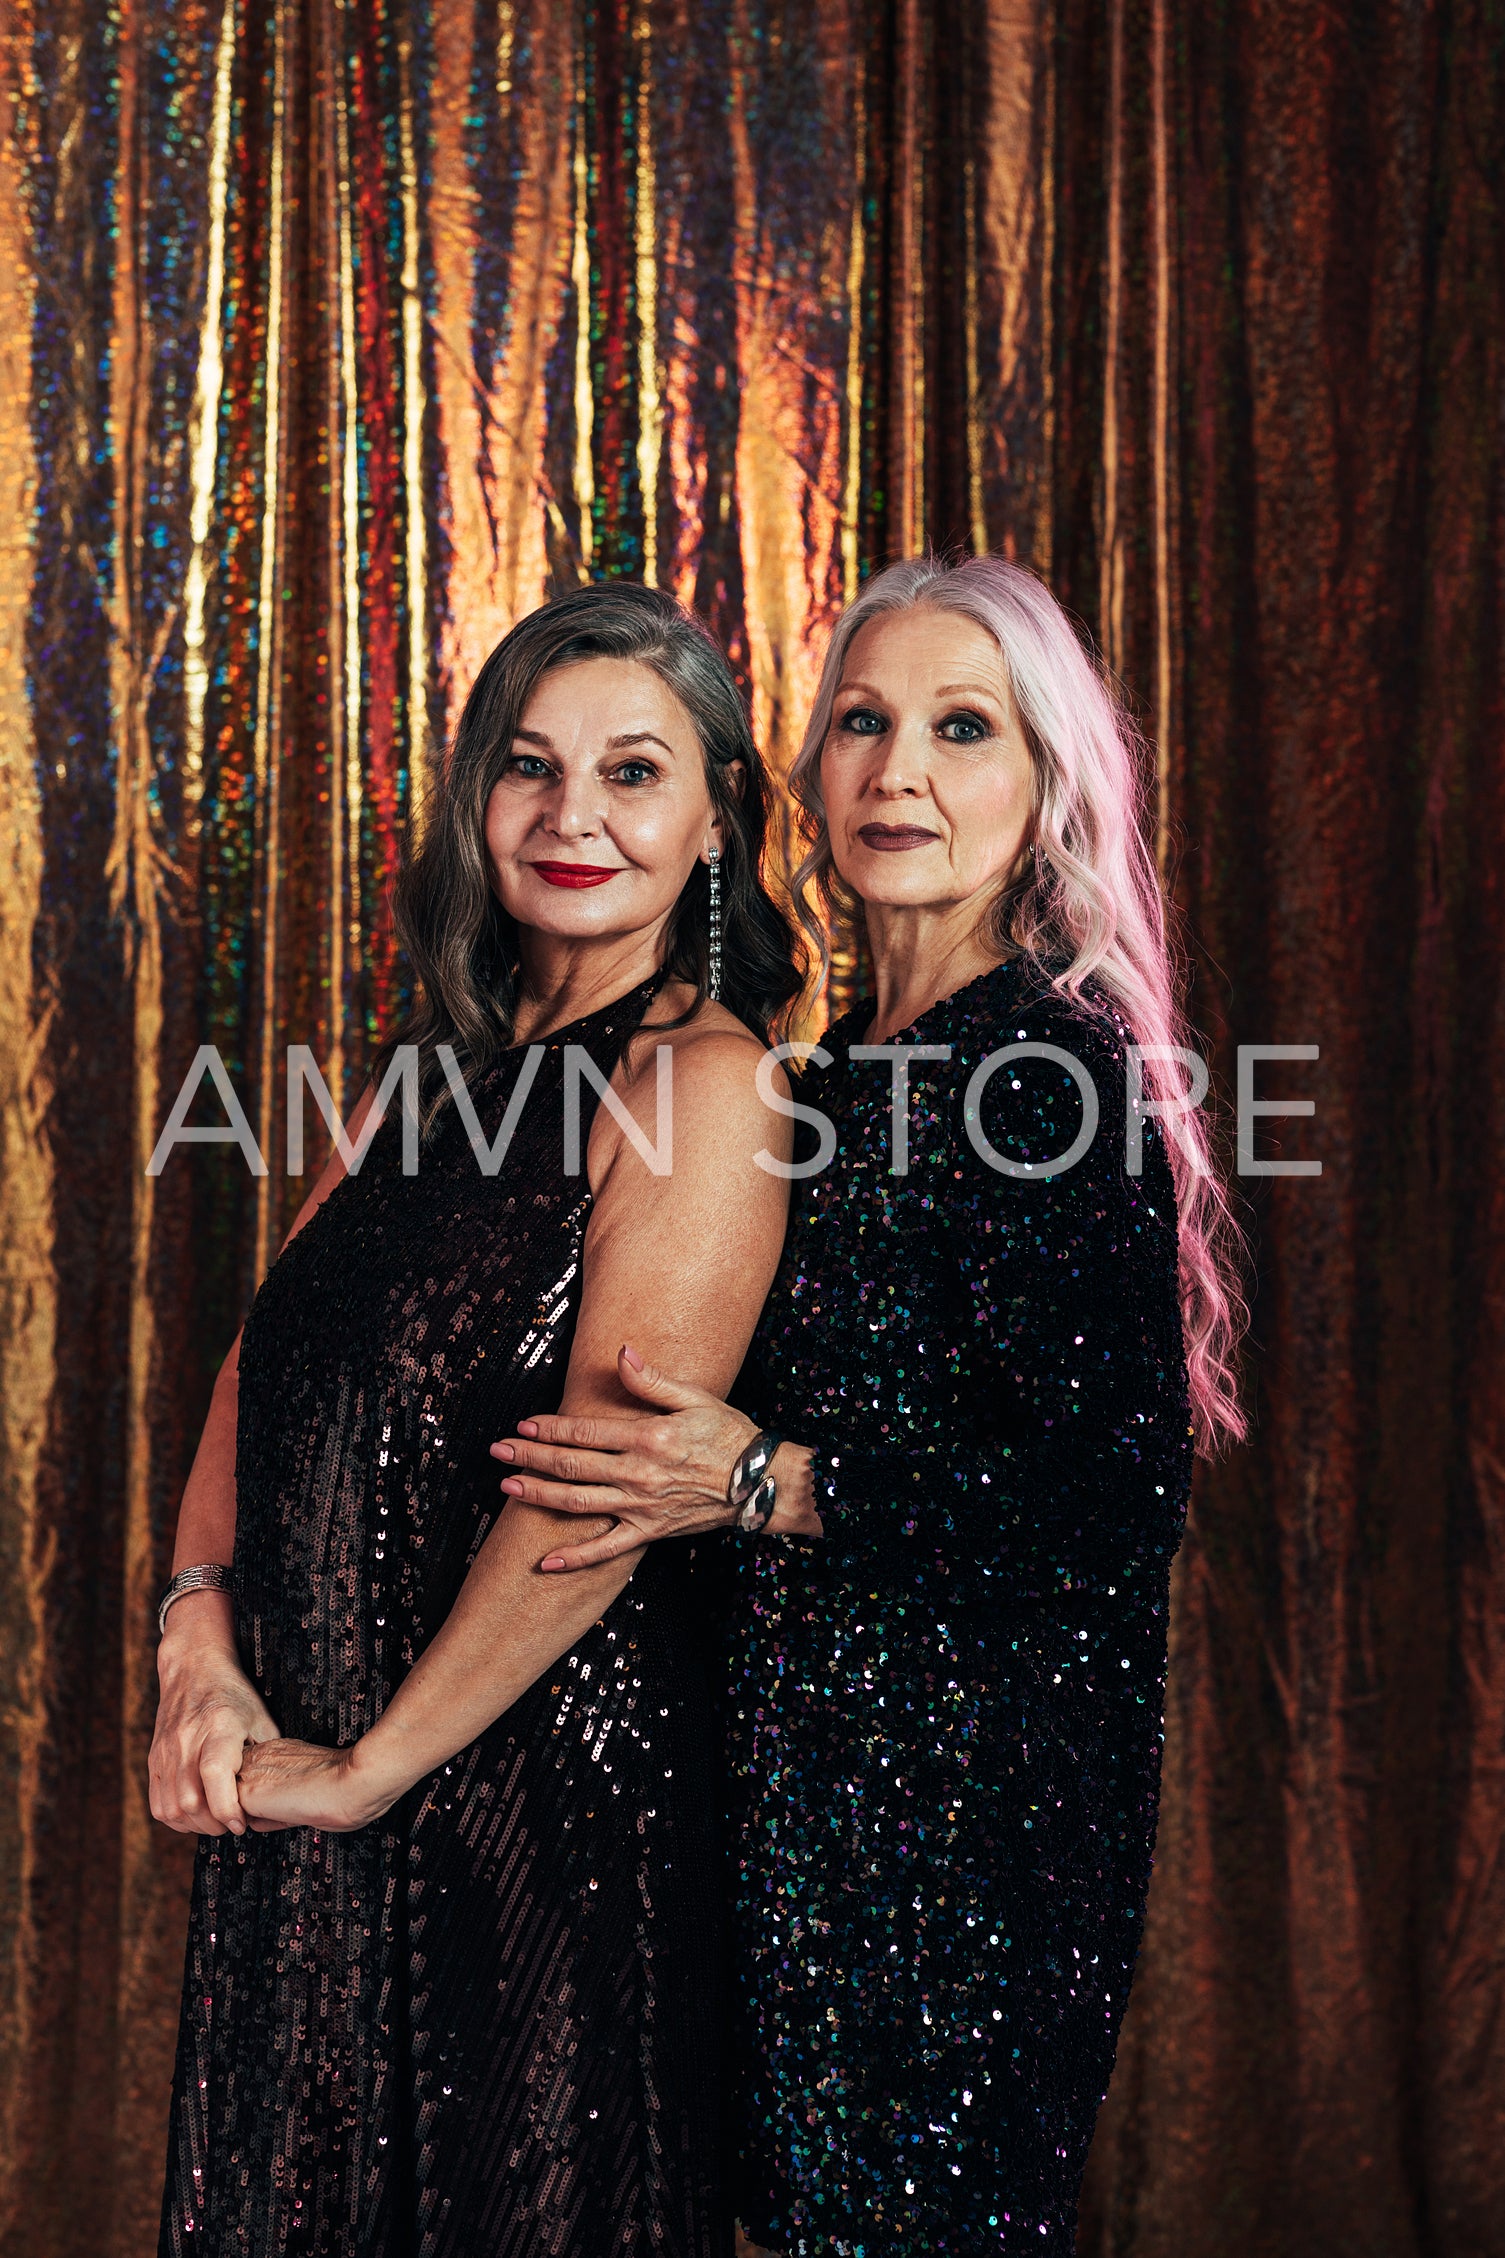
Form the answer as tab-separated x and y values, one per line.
662	1473
207	1713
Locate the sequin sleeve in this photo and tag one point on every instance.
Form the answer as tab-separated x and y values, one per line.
1053	1418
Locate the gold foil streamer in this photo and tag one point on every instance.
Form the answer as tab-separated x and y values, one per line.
539	255
1011	222
28	1283
325	163
851	494
203	440
580	277
791	447
132	873
472	590
346	638
413	405
906	436
492	440
268	737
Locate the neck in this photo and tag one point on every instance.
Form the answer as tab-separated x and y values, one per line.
562	980
920	956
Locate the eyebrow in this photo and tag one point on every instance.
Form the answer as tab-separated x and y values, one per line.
946	690
613	744
638	737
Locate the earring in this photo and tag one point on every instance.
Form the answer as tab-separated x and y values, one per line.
716	923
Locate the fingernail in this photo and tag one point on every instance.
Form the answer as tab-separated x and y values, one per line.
503	1450
555	1560
512	1486
632	1357
527	1426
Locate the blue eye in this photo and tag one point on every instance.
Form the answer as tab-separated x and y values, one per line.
965	728
636	772
863	722
529	765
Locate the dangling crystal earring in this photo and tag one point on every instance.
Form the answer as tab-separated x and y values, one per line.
716	923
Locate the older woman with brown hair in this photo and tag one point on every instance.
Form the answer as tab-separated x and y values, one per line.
454	1975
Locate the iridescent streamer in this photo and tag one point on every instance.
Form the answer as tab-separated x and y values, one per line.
413	408
580	279
204	428
141	626
346	919
267	744
851	499
906	440
528	518
650	415
465	597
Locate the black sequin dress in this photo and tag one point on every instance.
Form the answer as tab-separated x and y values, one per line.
949	1710
491	2025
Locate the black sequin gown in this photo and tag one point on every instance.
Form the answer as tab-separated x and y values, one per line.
491	2025
949	1710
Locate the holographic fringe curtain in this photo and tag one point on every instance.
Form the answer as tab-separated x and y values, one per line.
335	333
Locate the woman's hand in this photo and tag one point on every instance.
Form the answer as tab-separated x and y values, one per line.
208	1714
663	1475
287	1783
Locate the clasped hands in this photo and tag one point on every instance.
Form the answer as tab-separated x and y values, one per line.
219	1764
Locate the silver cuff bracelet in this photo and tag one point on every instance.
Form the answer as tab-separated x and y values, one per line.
752	1488
209	1576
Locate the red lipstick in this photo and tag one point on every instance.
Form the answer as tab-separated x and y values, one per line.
573	873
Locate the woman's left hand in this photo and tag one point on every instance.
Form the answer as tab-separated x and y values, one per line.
662	1474
294	1784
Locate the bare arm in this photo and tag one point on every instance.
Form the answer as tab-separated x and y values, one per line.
682	1262
207	1708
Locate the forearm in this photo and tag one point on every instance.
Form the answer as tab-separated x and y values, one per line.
206	1517
202	1623
508	1625
208	1710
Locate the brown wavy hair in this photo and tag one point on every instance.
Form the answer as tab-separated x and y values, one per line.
461	942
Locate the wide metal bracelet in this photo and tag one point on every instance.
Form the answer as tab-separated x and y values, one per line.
209	1576
752	1466
758	1511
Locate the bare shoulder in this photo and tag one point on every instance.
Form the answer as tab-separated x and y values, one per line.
711	1080
714	1056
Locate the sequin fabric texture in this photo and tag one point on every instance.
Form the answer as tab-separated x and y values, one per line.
494	2022
948	1713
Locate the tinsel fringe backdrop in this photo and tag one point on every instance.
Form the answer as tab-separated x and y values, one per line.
334	334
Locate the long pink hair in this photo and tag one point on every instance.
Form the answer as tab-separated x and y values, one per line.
1087	904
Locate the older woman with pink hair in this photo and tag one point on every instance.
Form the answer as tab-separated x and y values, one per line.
1004	1321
